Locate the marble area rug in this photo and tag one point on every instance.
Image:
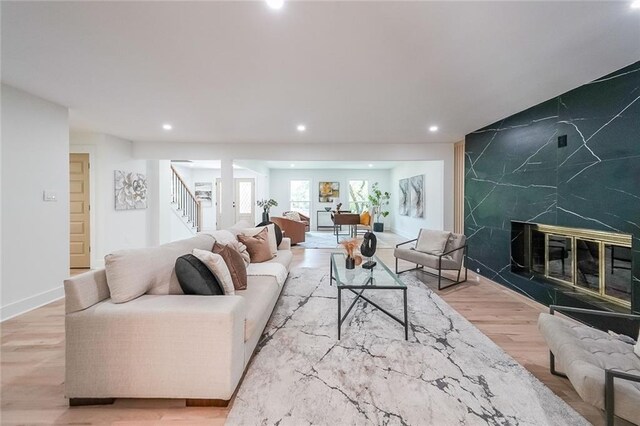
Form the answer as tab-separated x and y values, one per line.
327	239
447	373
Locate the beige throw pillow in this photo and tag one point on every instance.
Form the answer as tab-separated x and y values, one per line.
271	233
218	267
257	246
432	242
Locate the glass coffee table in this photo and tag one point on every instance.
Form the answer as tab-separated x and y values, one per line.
359	279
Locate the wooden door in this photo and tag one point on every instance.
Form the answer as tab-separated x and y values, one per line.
79	229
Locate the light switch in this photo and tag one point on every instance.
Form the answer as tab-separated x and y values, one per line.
50	196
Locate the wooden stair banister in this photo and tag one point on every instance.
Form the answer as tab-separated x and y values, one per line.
185	200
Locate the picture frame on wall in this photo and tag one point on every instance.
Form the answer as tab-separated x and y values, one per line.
328	191
204	193
403	198
416	191
130	190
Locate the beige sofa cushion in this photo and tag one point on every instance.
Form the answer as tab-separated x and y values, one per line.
432	241
132	273
260	297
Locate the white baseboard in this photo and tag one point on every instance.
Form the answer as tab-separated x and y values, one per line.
30	303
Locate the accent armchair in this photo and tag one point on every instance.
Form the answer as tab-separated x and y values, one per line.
304	219
438	250
292	228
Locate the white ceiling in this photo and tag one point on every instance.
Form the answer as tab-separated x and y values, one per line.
331	165
370	72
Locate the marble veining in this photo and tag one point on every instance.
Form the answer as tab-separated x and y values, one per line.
516	171
447	373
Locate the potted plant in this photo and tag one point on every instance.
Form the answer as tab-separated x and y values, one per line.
379	201
266	206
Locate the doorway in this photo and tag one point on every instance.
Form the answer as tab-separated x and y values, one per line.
79	216
244	199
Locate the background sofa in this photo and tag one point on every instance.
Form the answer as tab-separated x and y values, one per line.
164	344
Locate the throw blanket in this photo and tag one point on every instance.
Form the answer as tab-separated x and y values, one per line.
271	269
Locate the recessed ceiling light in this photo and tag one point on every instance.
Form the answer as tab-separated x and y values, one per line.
167	126
635	4
433	128
301	128
275	4
370	165
292	165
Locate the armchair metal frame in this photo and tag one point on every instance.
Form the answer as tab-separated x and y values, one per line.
609	374
439	274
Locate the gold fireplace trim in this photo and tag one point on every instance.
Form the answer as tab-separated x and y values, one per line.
587	234
601	237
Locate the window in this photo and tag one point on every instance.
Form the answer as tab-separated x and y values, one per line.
300	196
358	195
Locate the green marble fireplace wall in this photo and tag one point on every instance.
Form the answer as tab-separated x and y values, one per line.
515	171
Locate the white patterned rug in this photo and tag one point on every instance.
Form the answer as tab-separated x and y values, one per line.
448	373
324	240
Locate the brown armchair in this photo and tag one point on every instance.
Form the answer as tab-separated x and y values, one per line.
292	228
304	219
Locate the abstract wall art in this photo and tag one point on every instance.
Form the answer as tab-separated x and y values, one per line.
416	191
204	193
130	190
328	191
403	199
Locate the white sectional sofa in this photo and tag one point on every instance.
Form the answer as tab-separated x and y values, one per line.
164	344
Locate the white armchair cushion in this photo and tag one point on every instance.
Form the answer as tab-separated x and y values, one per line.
432	242
293	216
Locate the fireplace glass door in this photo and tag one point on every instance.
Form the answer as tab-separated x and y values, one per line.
617	276
560	258
593	262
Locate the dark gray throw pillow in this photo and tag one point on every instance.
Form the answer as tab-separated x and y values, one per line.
195	278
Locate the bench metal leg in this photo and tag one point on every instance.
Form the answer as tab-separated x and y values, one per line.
552	366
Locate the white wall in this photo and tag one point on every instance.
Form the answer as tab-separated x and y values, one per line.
434	197
311	151
280	189
35	233
112	229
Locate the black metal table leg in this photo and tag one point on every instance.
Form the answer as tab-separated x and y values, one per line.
339	310
406	320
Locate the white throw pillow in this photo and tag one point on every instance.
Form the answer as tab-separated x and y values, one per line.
218	267
271	234
293	216
432	242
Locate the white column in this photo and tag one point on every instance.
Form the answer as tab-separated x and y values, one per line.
227	209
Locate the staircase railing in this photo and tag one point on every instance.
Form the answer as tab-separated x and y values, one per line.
185	201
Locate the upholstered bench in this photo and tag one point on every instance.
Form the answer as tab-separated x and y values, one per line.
604	370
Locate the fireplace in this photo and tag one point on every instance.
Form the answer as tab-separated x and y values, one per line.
593	263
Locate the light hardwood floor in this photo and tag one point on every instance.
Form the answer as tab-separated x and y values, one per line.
33	358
